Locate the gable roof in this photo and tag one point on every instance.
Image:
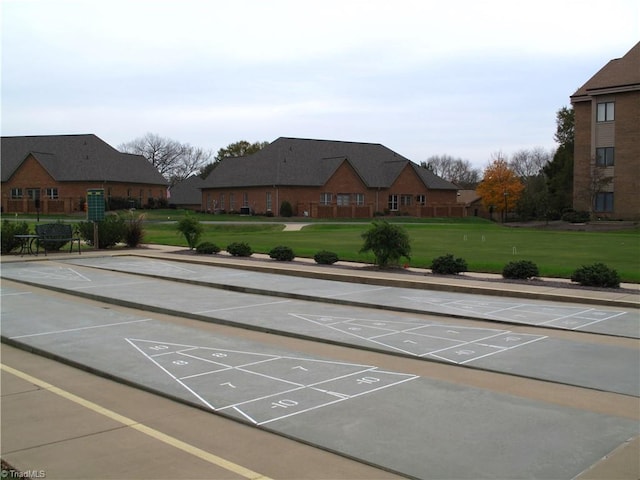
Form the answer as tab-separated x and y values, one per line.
307	162
73	158
618	75
187	192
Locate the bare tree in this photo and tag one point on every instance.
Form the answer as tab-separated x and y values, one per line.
529	163
454	170
174	160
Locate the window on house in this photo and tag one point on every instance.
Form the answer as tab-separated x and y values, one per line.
16	193
604	202
342	199
405	200
269	206
232	201
605	112
604	157
33	193
359	197
325	198
221	201
245	199
52	193
421	200
393	203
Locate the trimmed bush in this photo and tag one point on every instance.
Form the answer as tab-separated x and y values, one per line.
282	253
111	231
8	233
191	228
388	242
596	275
574	216
324	257
520	270
447	265
207	248
239	249
286	210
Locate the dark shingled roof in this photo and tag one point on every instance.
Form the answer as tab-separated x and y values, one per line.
187	192
306	162
620	74
77	158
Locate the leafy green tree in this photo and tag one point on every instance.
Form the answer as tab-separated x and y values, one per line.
559	171
192	229
388	243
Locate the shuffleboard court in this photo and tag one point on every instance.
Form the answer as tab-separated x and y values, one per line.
416	426
588	318
529	354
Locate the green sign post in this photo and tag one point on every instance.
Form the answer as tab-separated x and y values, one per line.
95	211
95	204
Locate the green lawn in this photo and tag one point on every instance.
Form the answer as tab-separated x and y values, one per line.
486	246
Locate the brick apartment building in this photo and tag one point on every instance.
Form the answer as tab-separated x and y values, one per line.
606	172
53	173
328	179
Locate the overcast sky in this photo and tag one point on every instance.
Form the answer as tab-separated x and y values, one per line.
466	78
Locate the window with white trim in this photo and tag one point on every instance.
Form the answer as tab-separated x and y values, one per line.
232	201
421	200
405	200
268	202
605	112
52	193
245	199
393	203
326	198
16	193
359	198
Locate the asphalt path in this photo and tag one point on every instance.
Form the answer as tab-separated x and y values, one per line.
416	426
528	352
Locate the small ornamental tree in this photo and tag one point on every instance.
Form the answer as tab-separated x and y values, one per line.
388	243
190	227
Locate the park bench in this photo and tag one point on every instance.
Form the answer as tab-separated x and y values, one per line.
55	234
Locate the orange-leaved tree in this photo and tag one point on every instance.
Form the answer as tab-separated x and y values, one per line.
500	187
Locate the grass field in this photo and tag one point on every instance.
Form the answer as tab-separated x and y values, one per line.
486	246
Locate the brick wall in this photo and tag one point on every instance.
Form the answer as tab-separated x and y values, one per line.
71	195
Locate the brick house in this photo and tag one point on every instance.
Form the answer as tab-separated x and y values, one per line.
328	179
55	172
607	140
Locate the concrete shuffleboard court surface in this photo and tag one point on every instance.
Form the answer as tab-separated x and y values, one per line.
562	315
530	354
412	425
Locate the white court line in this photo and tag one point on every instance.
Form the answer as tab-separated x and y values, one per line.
598	321
358	292
240	308
172	376
567	316
16	293
501	350
462	344
252	420
176	267
340	399
82	328
80	275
